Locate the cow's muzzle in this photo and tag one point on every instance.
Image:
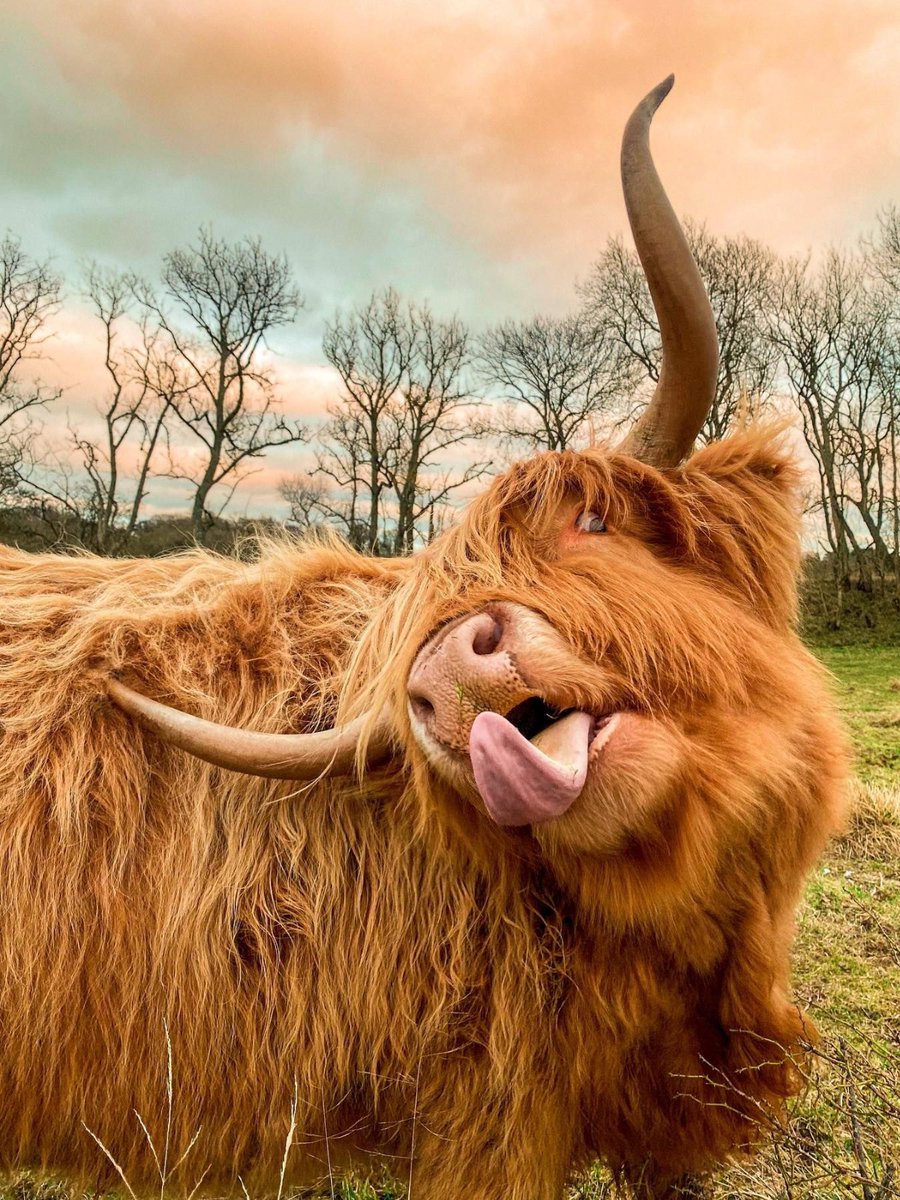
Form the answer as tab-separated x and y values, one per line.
474	694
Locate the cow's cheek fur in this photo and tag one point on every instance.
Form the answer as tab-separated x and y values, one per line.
631	786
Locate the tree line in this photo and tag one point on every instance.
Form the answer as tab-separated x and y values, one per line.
425	405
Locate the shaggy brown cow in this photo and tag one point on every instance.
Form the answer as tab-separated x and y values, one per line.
550	919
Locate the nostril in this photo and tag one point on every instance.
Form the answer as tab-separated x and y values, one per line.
422	707
487	639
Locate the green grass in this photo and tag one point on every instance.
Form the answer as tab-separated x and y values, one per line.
868	688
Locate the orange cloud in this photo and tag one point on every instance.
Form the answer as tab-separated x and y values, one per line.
507	116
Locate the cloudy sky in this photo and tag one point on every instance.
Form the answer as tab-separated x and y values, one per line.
464	151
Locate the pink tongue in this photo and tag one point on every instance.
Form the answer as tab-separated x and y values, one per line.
522	782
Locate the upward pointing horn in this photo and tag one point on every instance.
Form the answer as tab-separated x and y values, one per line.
665	432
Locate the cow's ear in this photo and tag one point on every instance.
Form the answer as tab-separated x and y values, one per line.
761	451
744	496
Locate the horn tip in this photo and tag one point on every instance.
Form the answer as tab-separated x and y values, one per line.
659	93
638	127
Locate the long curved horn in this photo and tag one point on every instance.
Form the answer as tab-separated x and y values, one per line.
273	755
665	432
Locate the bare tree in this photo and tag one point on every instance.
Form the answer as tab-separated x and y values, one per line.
219	304
882	253
558	377
890	482
434	416
344	458
883	247
29	297
832	330
739	276
304	496
144	386
403	411
95	499
371	349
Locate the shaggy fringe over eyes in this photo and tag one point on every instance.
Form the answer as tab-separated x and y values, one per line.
724	512
728	521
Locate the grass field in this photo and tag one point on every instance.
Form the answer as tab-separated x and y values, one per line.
868	684
842	1139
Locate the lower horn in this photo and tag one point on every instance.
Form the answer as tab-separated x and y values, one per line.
273	755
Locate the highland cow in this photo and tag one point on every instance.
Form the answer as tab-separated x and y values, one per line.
503	879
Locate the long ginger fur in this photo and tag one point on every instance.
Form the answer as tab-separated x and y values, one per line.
489	1009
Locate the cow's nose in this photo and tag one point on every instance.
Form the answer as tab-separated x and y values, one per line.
454	652
465	669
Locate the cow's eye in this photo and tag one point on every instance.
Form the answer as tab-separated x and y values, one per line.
590	522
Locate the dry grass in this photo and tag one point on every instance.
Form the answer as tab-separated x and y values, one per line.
873	831
839	1141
